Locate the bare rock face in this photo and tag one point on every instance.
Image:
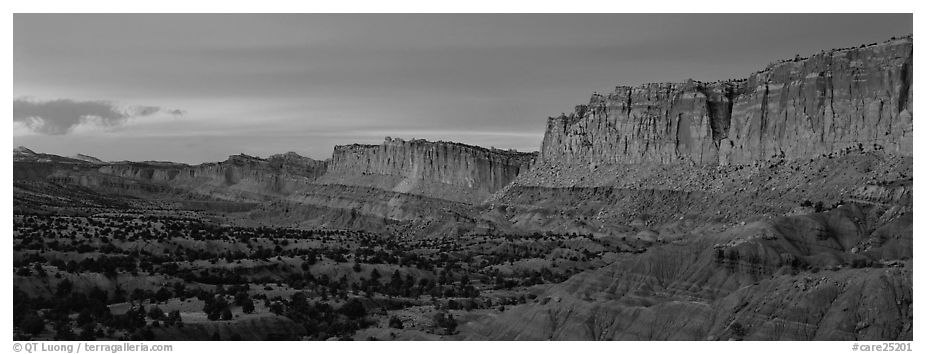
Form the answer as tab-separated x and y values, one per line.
835	275
800	108
88	158
24	154
239	177
295	164
440	169
22	151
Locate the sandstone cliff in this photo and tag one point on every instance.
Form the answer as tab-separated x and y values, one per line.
440	169
796	108
241	176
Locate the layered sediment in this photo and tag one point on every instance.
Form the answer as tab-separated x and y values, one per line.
440	169
238	176
799	108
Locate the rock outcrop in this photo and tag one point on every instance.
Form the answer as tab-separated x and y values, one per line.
24	154
779	207
836	275
797	108
88	158
239	177
440	169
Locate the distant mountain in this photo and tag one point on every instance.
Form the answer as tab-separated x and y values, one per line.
24	154
23	151
88	158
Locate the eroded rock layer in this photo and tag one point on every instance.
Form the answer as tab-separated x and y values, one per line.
239	177
797	108
469	173
836	275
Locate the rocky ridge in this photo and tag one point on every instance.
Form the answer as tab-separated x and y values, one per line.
778	206
417	166
771	208
836	275
793	109
240	176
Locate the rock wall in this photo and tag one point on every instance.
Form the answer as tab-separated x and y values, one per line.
240	176
793	109
471	167
442	170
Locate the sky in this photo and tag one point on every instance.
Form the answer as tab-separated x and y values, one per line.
199	87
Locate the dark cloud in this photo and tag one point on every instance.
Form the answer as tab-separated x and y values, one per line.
56	117
144	110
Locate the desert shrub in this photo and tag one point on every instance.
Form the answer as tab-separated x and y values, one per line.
738	330
226	314
818	207
445	322
155	313
248	306
861	263
395	322
214	307
353	309
174	318
32	324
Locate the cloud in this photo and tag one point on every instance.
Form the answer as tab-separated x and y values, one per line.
63	116
176	112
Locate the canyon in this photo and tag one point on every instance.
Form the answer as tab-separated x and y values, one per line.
774	207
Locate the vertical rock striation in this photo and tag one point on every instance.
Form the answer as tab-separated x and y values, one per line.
796	108
419	162
240	175
442	170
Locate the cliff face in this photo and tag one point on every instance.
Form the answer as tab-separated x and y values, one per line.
793	109
423	166
440	170
240	175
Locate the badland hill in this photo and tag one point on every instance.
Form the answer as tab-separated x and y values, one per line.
773	207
